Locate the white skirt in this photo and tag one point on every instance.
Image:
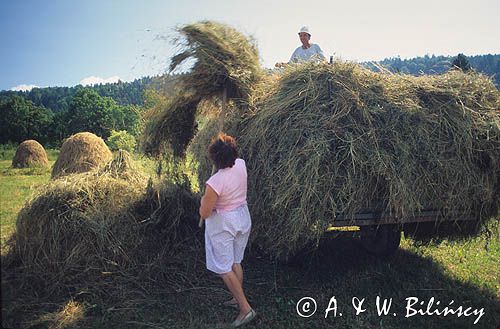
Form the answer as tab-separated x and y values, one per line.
226	237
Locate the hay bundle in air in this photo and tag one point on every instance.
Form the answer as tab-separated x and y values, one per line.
226	68
30	153
81	152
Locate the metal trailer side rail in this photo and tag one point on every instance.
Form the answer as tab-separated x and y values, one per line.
370	219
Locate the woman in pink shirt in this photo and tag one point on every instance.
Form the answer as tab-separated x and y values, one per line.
227	221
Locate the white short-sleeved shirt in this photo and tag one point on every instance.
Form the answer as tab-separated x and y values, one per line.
313	53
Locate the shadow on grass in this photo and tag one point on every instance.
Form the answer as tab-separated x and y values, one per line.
189	297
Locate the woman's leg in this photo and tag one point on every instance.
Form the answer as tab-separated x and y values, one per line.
233	284
238	270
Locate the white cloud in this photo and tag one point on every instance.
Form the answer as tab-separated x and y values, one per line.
24	87
92	80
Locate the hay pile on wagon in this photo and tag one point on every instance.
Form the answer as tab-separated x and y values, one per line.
30	153
80	153
327	139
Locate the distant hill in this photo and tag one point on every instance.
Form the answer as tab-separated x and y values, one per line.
124	93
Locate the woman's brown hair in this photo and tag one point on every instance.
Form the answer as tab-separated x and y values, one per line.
223	151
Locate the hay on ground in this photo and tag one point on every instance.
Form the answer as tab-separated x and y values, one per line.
80	153
81	221
30	153
123	166
102	221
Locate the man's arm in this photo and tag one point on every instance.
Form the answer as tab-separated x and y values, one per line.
293	58
319	52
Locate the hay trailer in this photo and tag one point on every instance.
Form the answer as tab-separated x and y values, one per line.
380	234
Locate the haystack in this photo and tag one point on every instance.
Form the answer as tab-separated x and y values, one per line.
81	152
30	153
98	221
337	139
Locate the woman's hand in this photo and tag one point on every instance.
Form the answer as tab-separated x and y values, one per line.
208	202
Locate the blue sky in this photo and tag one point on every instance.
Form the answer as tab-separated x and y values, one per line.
63	43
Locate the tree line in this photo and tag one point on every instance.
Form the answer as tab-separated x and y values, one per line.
487	64
51	114
22	119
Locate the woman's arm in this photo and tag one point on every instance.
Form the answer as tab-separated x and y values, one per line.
208	202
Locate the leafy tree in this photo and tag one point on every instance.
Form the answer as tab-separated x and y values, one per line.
88	111
461	62
121	140
126	118
20	119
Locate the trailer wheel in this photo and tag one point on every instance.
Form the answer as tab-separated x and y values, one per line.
383	242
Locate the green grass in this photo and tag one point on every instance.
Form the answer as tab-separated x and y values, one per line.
467	272
16	187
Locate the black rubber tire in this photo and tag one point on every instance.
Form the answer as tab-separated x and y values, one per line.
384	242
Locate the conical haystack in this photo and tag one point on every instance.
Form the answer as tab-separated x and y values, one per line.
80	153
30	153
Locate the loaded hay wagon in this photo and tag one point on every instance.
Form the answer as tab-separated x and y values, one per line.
332	145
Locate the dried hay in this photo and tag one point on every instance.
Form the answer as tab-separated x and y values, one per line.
80	153
30	153
340	139
322	139
171	127
224	59
98	221
122	166
226	68
79	221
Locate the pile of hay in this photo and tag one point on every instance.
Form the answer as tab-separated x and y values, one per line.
329	139
85	220
226	68
123	167
340	139
80	153
30	153
100	221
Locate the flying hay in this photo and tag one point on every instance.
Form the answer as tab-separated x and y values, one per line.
226	69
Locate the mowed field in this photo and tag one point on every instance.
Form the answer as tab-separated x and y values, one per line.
458	273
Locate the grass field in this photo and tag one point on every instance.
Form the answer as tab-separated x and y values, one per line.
466	272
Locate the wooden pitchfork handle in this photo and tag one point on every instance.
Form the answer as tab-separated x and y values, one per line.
221	125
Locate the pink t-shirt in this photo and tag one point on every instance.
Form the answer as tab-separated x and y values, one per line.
230	184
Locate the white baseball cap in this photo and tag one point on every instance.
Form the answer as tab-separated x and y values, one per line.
305	29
